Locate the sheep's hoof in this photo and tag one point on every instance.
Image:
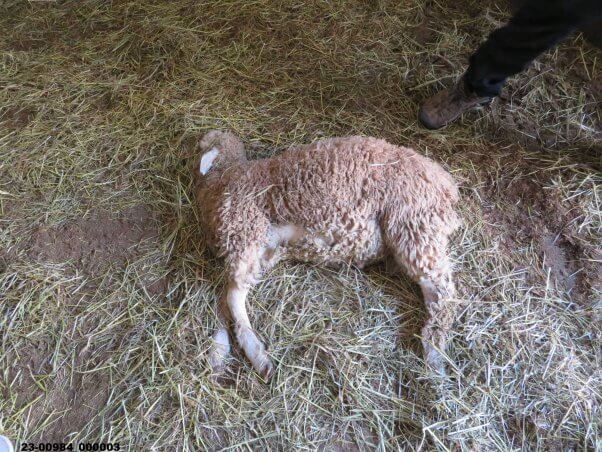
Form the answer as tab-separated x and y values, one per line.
218	372
266	370
217	359
434	360
219	351
218	368
255	352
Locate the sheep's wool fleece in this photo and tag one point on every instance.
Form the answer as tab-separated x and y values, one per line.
351	196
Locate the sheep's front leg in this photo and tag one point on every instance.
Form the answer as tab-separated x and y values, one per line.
246	337
220	348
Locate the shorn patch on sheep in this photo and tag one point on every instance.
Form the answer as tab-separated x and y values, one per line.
348	200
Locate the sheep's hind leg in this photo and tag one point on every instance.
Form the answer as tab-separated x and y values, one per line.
427	263
252	346
438	291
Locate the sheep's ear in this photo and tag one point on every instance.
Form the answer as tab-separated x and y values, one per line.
207	160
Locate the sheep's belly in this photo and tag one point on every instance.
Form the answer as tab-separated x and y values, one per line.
353	244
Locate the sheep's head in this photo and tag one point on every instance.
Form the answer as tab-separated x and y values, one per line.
219	150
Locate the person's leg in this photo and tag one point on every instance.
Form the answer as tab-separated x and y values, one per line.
537	26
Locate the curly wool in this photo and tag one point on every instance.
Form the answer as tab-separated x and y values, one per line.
346	190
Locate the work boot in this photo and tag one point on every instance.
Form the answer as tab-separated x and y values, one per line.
447	105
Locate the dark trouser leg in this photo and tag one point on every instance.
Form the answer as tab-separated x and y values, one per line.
537	26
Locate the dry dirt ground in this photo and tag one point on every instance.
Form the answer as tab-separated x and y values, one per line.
107	291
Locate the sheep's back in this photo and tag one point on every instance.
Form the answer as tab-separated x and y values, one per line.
352	177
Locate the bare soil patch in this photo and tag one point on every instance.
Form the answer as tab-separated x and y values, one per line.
15	117
97	241
68	399
65	378
526	213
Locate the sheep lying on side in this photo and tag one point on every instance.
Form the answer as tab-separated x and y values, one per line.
337	201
